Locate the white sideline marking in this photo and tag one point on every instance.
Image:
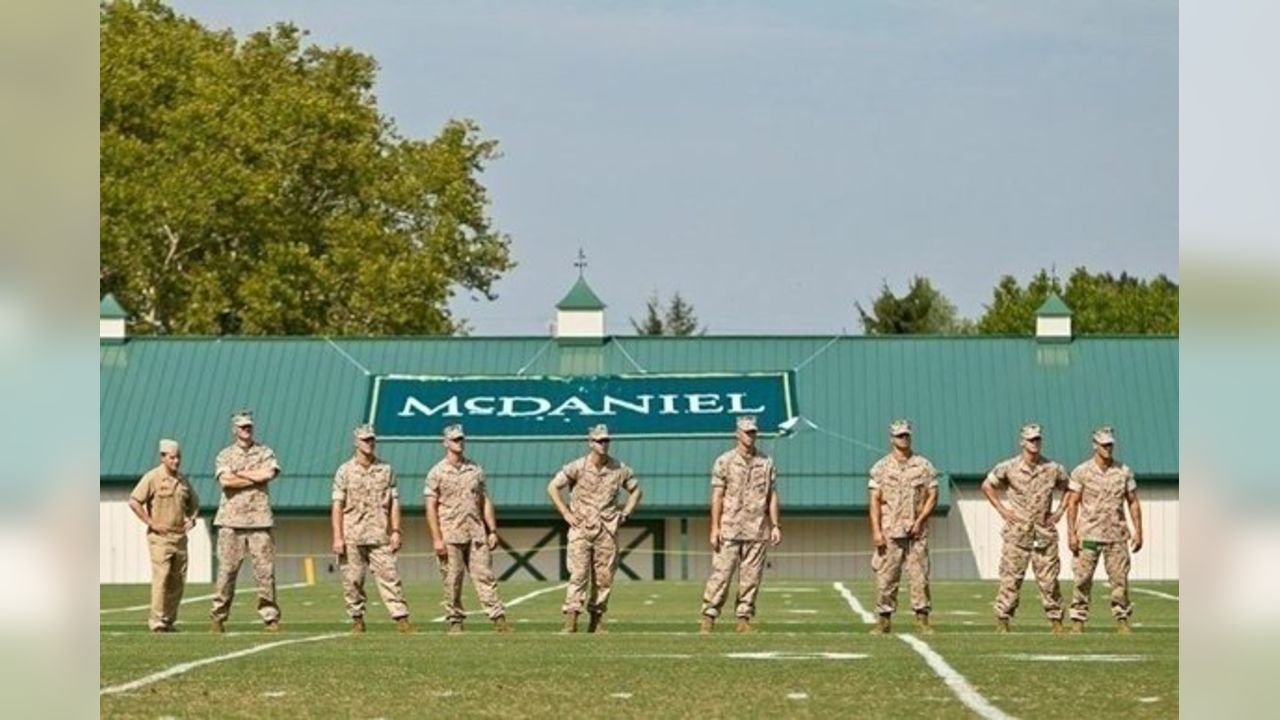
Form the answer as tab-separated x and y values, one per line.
1156	593
856	606
797	696
516	601
189	666
960	687
198	598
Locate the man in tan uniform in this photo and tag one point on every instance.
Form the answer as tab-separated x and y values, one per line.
365	519
1099	489
744	515
904	490
244	522
166	503
1030	527
593	516
464	531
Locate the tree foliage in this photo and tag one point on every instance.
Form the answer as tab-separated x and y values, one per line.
678	318
1101	303
253	187
923	310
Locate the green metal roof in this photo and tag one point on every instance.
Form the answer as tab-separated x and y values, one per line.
581	297
1053	306
966	395
110	308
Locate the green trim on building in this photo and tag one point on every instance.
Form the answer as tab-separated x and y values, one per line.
109	309
1053	306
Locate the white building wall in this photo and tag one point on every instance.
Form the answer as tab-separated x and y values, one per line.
123	556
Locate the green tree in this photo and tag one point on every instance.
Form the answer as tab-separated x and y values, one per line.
1101	303
677	319
252	186
923	310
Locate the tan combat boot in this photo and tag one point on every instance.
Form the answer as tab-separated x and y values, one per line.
596	625
706	625
744	626
570	623
217	627
1077	627
357	626
501	625
1123	627
455	628
273	626
402	626
922	624
1055	627
1002	626
882	626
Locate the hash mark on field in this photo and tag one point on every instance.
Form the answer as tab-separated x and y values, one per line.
801	611
198	598
1076	658
516	601
1148	699
181	668
621	696
274	694
1155	593
797	696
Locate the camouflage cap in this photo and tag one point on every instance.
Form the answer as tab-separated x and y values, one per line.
242	417
900	427
1031	431
747	423
170	446
454	432
1104	435
598	432
364	430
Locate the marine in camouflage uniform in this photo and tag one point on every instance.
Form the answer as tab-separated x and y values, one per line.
166	503
593	482
1030	531
903	487
744	517
244	522
464	531
1098	492
365	521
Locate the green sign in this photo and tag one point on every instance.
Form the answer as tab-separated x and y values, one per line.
405	407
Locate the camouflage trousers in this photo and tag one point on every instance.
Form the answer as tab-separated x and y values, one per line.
356	563
594	558
233	545
887	566
745	556
168	577
1013	568
474	559
1115	556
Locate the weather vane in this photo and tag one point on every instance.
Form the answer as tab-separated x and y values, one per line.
581	262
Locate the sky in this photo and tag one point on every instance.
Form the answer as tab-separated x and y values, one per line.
777	162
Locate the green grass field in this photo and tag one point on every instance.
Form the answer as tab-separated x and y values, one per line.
812	657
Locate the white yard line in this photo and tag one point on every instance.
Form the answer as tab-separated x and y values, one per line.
856	606
960	687
515	601
192	665
971	698
1156	593
198	598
